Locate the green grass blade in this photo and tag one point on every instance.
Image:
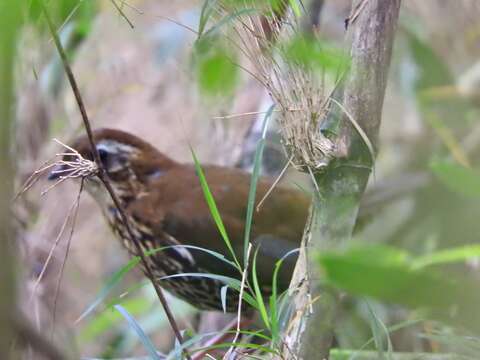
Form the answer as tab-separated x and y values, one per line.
213	208
206	12
454	255
117	277
295	8
274	296
386	274
253	183
111	283
105	321
229	18
380	333
145	340
391	329
223	297
457	178
210	252
231	282
258	293
200	337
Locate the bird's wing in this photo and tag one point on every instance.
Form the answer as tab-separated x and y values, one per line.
179	211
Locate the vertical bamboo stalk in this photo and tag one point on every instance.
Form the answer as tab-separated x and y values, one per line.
371	29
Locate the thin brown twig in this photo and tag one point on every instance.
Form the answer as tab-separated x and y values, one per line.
33	178
231	116
173	21
122	13
355	13
134	8
141	12
104	179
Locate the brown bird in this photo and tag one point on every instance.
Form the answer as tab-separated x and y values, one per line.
165	205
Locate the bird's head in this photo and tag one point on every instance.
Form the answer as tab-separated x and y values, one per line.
129	162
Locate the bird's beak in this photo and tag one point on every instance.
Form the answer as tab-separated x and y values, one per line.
57	171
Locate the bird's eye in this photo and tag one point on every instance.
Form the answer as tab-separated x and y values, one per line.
103	156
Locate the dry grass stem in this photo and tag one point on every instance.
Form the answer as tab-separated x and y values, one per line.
355	13
240	302
251	113
122	14
134	8
77	167
34	177
291	85
274	184
358	128
69	241
51	252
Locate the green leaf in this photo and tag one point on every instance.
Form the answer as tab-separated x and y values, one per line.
258	293
215	67
312	52
223	297
274	297
380	333
433	71
295	8
144	339
458	178
447	256
106	320
119	275
231	282
213	207
390	330
207	10
344	354
399	281
110	284
253	182
215	254
228	19
376	271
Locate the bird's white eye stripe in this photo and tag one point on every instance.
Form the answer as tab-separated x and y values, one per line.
104	147
114	147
